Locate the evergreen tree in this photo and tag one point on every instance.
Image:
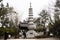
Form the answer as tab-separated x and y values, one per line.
7	20
42	20
44	17
56	26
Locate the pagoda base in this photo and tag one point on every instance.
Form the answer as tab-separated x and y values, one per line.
31	34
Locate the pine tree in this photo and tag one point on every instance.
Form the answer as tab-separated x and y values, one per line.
56	26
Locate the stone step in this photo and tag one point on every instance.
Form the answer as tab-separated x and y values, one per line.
36	39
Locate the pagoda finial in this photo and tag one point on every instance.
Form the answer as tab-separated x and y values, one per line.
7	5
30	4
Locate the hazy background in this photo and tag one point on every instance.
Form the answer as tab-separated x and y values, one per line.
22	6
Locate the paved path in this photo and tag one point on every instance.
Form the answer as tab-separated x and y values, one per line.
35	39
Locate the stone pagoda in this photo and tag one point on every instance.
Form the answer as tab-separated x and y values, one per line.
31	25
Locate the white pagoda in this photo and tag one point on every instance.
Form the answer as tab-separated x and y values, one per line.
31	25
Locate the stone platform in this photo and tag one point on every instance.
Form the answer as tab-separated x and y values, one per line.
36	39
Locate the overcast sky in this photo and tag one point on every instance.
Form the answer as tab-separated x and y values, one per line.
22	6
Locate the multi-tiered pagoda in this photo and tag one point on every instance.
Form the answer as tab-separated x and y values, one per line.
31	24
